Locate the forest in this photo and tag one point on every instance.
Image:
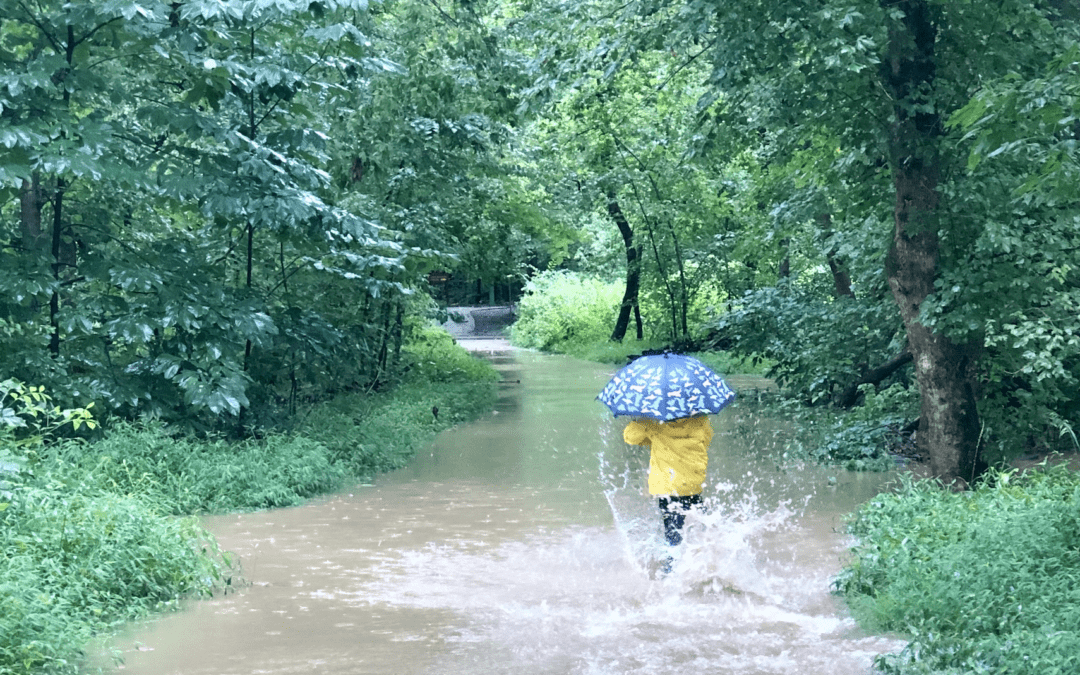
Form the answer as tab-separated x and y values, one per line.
217	213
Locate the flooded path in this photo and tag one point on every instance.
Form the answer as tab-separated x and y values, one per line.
525	544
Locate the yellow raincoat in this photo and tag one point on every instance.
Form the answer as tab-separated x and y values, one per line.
679	454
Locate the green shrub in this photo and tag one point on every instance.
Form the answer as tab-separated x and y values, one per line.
865	438
76	561
195	476
75	557
354	436
432	356
815	345
985	581
563	308
729	363
371	434
87	533
859	445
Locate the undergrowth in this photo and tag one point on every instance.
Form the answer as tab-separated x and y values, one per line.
984	581
562	309
192	476
866	438
77	560
93	534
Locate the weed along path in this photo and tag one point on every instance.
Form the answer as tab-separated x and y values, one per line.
524	544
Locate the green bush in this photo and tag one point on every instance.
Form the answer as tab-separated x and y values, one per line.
865	438
729	363
985	581
432	356
352	437
88	533
76	560
372	434
561	309
815	345
192	476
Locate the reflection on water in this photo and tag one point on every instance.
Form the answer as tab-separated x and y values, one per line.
525	544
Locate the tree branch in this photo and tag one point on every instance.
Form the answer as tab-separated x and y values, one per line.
685	65
850	394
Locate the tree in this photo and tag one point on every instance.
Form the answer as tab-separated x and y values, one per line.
630	301
620	119
879	79
431	150
175	153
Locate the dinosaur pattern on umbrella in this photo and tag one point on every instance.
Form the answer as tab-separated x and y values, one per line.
666	387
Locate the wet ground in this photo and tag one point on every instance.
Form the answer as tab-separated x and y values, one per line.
525	544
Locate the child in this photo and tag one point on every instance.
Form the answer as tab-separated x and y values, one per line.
677	463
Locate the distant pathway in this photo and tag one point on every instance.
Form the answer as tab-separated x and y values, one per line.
481	328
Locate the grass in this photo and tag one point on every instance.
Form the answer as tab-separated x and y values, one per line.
96	534
606	351
184	475
984	581
77	560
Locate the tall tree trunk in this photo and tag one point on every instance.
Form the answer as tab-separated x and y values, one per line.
945	370
841	280
57	246
633	273
680	304
252	130
383	358
399	332
662	271
30	201
58	214
249	259
684	292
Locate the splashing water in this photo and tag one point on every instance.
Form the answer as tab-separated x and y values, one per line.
504	551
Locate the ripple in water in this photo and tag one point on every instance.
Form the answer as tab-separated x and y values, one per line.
526	544
748	593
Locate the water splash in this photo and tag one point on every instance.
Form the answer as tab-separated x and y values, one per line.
723	548
494	553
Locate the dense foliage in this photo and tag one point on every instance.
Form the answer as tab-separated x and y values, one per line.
210	212
216	213
983	581
96	533
78	558
860	186
562	309
818	345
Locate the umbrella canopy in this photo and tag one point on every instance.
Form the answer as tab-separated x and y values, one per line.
666	387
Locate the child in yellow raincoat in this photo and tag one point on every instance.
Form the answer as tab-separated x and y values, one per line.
677	462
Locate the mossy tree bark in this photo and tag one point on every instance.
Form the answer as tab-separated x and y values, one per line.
945	369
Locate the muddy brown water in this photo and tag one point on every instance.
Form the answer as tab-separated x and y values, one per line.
525	544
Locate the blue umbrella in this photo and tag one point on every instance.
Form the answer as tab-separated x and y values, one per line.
666	387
